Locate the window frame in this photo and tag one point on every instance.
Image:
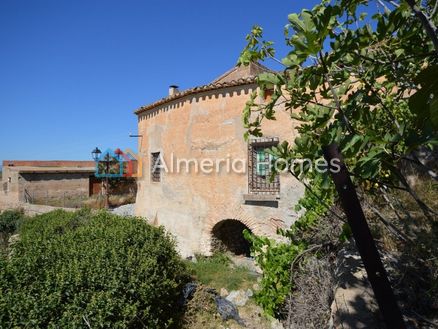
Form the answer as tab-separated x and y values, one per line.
155	175
261	184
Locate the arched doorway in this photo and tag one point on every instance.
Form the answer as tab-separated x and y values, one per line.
227	235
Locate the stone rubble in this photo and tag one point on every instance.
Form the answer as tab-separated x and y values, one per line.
125	210
239	297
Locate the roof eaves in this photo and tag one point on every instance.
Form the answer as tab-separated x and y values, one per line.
195	90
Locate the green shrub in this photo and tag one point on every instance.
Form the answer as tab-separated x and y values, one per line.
274	258
10	220
9	223
79	270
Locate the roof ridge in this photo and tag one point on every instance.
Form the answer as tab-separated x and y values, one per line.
250	67
227	73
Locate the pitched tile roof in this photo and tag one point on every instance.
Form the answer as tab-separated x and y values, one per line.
237	76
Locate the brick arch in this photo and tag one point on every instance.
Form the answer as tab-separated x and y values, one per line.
236	213
227	235
258	226
250	223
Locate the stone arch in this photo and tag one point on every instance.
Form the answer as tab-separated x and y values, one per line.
227	235
236	212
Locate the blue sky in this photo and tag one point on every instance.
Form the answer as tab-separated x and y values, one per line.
73	72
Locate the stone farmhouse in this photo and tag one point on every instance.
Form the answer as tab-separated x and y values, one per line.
26	181
41	182
203	126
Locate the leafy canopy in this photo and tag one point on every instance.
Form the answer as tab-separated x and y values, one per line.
367	83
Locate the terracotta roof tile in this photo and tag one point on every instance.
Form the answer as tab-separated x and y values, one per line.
237	76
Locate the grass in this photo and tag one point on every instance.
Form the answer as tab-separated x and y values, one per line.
116	200
62	201
218	272
201	313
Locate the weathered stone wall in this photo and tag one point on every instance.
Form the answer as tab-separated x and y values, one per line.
46	186
208	125
48	163
125	185
43	180
54	182
9	193
36	209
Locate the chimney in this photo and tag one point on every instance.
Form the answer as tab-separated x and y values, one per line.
173	90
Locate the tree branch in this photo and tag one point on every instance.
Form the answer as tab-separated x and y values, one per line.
383	5
427	211
335	96
417	161
427	23
391	227
435	8
386	198
317	196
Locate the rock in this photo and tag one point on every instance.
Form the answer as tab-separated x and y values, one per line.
223	292
125	210
275	324
331	323
249	293
226	309
13	239
256	287
237	297
246	262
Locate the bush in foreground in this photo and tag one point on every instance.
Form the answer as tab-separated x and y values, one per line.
79	270
10	220
9	223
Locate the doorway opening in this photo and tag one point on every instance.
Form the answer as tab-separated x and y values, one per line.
227	235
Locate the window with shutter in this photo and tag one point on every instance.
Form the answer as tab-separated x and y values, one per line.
259	167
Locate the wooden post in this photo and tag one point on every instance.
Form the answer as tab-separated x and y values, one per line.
364	240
